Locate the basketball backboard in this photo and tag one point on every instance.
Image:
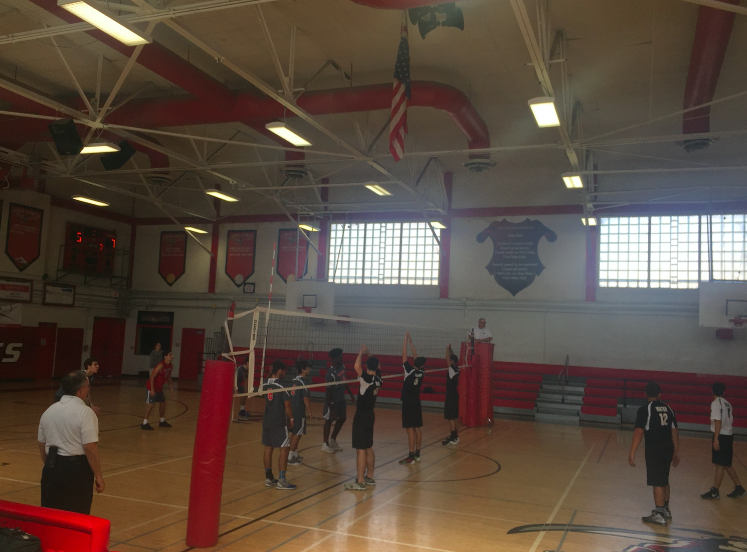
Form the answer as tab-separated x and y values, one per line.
722	304
310	296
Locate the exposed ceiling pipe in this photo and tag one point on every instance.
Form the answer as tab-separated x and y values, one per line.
396	4
251	109
712	35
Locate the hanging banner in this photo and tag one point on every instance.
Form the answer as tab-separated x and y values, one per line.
172	256
240	245
515	262
23	242
287	246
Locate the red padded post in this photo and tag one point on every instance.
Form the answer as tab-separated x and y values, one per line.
475	388
209	456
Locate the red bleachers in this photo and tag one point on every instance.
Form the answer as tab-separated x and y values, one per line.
599	410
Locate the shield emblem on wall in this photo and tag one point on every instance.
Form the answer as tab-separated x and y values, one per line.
515	262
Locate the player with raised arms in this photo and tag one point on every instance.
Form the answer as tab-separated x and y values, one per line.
412	411
363	421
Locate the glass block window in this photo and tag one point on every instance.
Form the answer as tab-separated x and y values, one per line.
403	253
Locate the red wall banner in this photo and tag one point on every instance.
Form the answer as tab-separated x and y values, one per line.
287	245
240	246
23	242
172	256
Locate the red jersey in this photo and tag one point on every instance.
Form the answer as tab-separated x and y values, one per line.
161	376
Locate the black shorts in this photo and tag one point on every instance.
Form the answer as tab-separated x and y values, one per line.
339	411
299	426
412	413
723	456
363	429
658	463
451	407
240	388
152	398
276	437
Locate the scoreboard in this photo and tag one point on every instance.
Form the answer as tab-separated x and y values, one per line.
89	250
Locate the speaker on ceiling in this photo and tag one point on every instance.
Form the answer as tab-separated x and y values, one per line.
115	160
66	137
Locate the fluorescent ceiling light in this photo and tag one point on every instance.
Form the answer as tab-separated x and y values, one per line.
220	195
84	199
282	130
308	228
105	21
544	112
572	180
195	230
101	147
438	225
378	190
590	221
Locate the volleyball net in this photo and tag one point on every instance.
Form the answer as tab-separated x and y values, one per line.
261	336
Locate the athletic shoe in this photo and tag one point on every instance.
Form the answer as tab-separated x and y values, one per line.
270	482
285	485
355	486
333	444
417	458
656	518
295	461
244	415
711	495
668	514
327	448
407	460
147	426
738	492
164	424
446	441
454	441
369	481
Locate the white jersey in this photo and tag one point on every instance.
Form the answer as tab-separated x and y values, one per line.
481	333
721	409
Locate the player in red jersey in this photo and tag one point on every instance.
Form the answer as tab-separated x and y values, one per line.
161	374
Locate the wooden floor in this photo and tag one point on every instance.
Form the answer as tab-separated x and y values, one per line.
518	486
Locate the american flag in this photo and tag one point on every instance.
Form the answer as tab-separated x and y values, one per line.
401	89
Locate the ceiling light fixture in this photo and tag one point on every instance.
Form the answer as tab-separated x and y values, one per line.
105	21
544	112
438	225
195	230
308	227
282	130
220	195
378	190
100	147
589	221
572	180
90	201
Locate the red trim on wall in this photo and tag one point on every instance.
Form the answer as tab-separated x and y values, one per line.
445	261
321	259
591	263
131	267
215	239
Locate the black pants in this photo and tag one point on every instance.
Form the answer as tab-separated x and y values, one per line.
69	485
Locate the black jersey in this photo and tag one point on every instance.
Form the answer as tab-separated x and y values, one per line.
413	382
656	419
335	393
275	404
297	398
452	381
370	385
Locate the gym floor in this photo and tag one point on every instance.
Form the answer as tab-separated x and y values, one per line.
518	486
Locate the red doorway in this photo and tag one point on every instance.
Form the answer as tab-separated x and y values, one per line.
69	352
193	341
107	344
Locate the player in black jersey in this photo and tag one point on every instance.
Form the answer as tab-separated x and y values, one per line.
451	404
301	404
363	421
335	408
412	411
275	426
657	423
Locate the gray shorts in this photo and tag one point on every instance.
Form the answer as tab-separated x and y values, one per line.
276	437
152	398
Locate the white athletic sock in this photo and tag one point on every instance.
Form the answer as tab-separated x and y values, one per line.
145	421
163	420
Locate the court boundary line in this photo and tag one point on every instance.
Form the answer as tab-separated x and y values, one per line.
550	519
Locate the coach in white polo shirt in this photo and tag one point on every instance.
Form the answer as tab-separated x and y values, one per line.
481	334
68	444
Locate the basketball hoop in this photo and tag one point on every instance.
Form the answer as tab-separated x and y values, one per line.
307	310
737	322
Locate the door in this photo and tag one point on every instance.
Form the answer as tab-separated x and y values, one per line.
46	352
193	341
107	344
69	353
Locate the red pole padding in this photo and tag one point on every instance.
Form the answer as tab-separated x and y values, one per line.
475	389
209	456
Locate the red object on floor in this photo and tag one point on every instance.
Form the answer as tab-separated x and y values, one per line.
58	530
209	457
475	388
